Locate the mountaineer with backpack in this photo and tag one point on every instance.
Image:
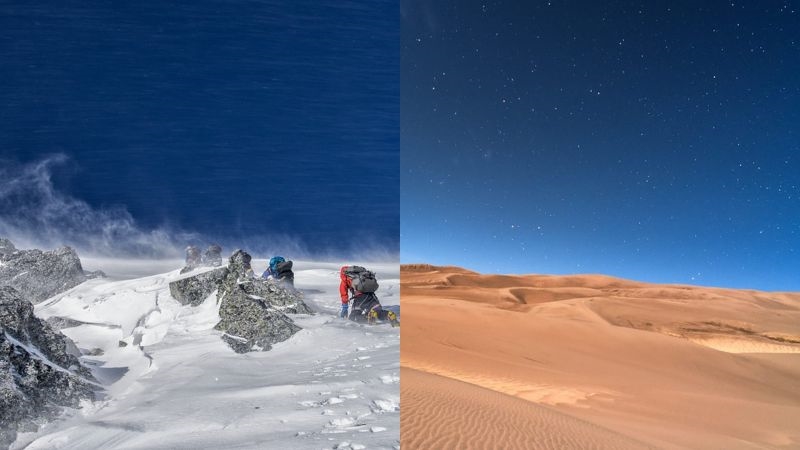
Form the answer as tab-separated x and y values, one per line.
359	302
280	270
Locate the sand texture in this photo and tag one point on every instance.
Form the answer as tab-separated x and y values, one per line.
591	361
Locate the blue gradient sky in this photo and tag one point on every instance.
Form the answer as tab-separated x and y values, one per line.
236	120
644	141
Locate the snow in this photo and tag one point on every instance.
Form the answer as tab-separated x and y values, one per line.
171	382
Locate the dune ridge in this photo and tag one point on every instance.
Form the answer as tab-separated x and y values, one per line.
669	366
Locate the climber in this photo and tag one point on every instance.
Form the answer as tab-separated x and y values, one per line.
357	288
280	270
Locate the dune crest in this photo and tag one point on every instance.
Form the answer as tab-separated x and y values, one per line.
658	365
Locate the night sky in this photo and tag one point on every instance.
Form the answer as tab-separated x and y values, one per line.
644	140
271	124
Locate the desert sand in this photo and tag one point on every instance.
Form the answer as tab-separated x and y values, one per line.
590	361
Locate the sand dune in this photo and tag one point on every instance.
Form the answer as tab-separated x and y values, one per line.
665	365
489	420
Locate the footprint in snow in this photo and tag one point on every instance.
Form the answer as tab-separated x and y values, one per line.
341	422
344	445
332	400
385	405
390	379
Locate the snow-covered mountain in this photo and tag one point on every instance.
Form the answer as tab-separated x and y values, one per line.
172	382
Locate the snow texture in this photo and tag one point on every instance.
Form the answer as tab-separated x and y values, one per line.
172	382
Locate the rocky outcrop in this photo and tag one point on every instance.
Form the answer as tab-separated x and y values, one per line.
38	275
195	289
94	274
38	374
253	311
286	300
211	258
6	247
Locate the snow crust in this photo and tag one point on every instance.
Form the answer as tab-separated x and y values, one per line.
171	382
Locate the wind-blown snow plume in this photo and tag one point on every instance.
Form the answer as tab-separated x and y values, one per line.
34	214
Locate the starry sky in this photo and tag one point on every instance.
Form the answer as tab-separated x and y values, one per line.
268	124
651	141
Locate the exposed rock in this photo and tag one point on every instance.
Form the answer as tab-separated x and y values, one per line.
195	289
239	263
94	274
279	297
38	374
6	247
59	323
253	311
211	258
187	269
38	275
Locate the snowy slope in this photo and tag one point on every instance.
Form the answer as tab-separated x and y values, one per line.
176	384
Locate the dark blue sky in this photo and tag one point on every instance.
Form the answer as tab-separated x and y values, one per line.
237	120
644	140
